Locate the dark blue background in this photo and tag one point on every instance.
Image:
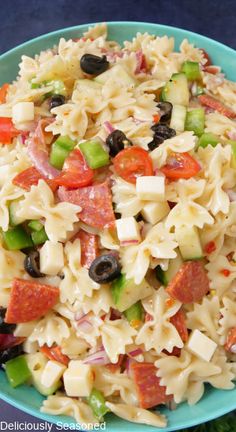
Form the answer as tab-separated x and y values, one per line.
21	20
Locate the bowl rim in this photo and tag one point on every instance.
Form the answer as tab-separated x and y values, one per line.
162	27
120	23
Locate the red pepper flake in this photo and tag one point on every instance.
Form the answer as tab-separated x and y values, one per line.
225	272
156	118
169	302
210	247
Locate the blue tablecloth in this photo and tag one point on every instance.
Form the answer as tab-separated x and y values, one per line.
24	19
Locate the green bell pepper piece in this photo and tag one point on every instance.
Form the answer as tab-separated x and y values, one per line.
208	138
58	86
94	153
161	276
97	403
35	225
17	371
39	237
17	238
191	70
134	314
60	150
195	121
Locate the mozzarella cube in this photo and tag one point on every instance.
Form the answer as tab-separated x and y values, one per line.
153	212
201	345
151	188
51	258
52	373
127	229
23	112
78	379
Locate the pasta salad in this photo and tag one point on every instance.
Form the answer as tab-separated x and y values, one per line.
118	227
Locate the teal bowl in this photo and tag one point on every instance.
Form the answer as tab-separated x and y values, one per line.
215	402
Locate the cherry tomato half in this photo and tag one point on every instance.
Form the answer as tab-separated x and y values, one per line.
180	165
133	162
75	172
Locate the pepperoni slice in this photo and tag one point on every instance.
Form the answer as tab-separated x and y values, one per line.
179	321
89	247
190	283
96	204
30	177
150	392
29	300
216	105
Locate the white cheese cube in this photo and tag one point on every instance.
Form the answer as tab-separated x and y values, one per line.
151	188
52	373
51	258
153	212
201	345
78	379
23	112
127	229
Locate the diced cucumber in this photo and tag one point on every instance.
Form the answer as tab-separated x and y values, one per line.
191	70
60	150
176	90
35	225
195	121
189	242
17	238
134	313
118	74
208	138
94	153
39	237
36	364
13	218
233	147
174	265
125	292
178	116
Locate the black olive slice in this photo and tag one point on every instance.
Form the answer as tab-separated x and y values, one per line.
4	327
56	100
31	264
165	110
10	353
105	268
93	65
163	131
116	142
157	140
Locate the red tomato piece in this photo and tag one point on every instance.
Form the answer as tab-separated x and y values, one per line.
207	57
9	340
180	165
3	92
7	130
179	321
75	173
133	162
150	392
30	177
29	300
230	344
96	204
190	283
54	353
216	105
89	247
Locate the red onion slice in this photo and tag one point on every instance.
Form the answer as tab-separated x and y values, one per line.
108	127
38	153
98	358
135	352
